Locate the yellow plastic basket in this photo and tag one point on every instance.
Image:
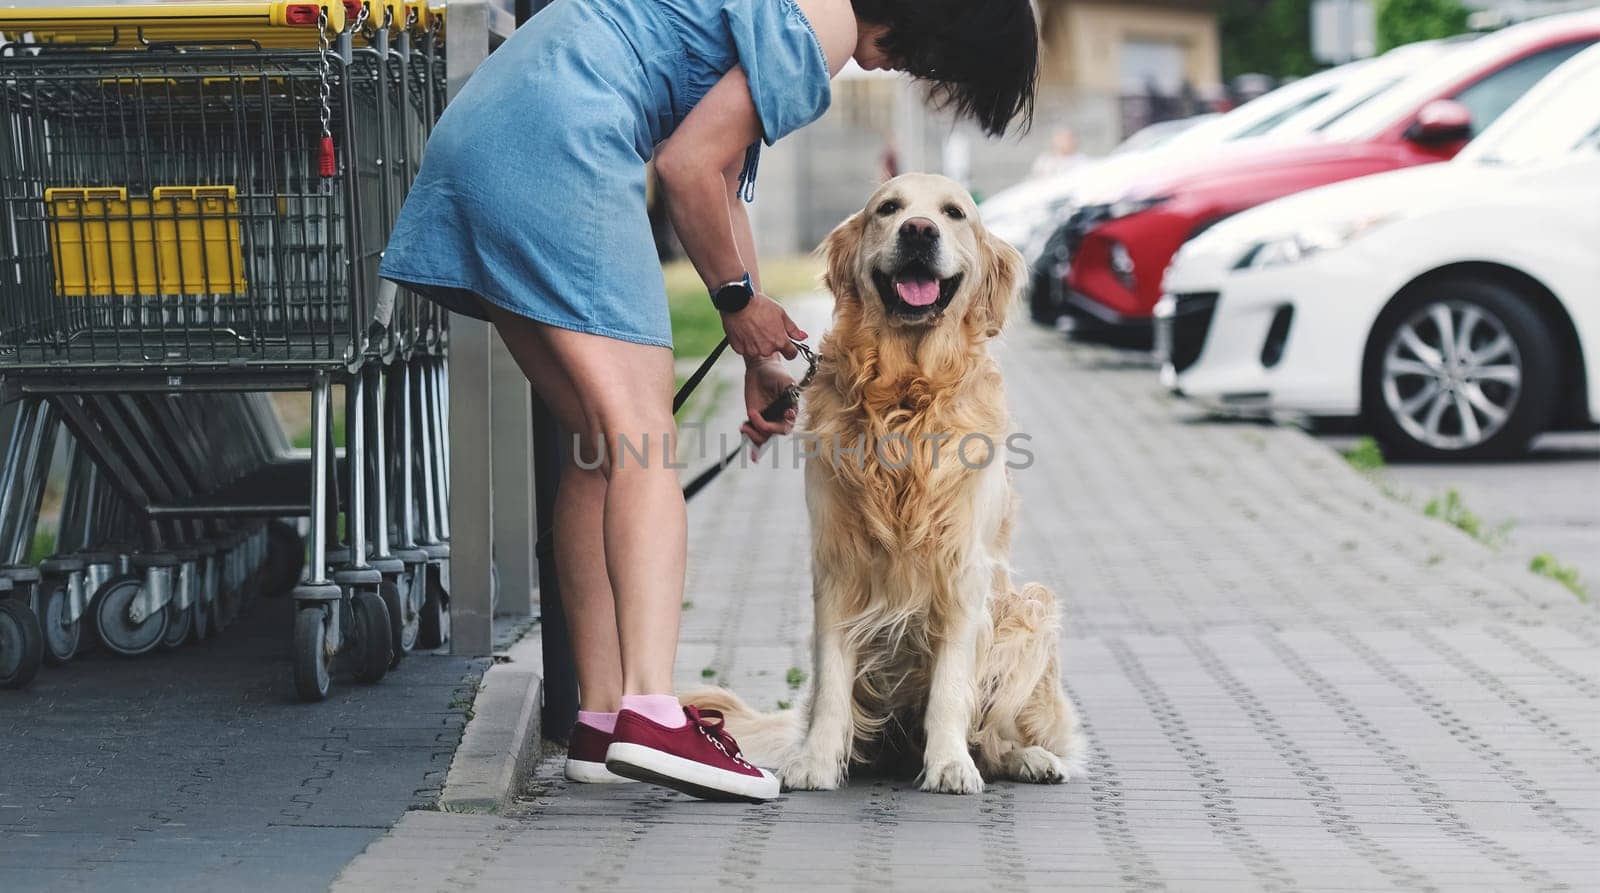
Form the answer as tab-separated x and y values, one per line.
182	240
278	23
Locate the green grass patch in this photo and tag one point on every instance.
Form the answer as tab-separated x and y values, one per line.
1545	565
302	438
1450	509
708	673
785	705
1366	455
796	677
44	545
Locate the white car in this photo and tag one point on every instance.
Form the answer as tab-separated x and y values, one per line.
1454	307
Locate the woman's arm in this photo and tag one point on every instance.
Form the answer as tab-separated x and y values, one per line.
693	166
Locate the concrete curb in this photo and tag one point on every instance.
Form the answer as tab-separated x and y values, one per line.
501	742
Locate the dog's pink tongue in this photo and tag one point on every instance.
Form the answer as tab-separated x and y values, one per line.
917	292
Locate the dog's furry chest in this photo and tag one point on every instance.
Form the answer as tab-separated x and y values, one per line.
911	474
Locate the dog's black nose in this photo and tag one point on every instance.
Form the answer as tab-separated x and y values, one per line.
919	230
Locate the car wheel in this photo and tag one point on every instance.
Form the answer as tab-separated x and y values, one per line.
1042	303
1459	369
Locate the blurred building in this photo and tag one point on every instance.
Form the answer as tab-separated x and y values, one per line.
1108	68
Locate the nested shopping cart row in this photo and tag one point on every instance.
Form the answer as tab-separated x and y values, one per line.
194	199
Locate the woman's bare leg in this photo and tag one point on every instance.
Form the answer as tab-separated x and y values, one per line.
623	393
579	516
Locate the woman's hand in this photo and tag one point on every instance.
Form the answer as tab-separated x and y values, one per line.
765	381
762	329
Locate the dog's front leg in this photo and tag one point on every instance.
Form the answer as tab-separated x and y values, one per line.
947	765
821	761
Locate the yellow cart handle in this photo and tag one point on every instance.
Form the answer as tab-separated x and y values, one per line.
175	21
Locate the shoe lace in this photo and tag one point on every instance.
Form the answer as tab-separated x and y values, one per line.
712	724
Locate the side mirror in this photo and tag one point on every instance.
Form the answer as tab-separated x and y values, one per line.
1440	122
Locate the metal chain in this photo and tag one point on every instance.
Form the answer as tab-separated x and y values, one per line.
324	111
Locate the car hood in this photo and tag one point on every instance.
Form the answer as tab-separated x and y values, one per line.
1237	170
1380	196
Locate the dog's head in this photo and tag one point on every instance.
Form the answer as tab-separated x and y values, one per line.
917	258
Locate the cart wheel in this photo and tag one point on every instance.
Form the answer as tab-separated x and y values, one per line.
374	636
311	657
179	622
214	616
226	607
286	558
21	644
200	624
60	637
433	627
116	630
402	619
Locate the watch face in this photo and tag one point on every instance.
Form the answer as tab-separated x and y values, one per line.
733	297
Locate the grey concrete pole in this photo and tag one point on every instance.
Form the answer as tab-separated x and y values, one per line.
511	446
471	416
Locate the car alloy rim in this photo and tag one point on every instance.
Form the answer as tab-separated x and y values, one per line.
1451	375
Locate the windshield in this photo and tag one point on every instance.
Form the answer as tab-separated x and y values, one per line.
1435	80
1267	111
1356	92
1559	117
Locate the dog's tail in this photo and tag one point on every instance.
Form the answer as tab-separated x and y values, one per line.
766	739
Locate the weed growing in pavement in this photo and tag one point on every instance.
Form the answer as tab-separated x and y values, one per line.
1450	509
796	677
1366	455
687	605
785	705
708	672
1546	565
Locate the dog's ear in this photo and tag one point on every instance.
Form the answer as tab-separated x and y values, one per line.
839	249
1003	273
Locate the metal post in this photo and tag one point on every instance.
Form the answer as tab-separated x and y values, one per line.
560	676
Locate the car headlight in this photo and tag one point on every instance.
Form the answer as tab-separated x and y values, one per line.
1307	241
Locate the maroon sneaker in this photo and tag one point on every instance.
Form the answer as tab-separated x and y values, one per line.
698	758
586	757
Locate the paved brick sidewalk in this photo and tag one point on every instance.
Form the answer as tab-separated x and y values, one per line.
199	770
1289	682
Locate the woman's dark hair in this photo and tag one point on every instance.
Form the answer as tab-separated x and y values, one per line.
980	57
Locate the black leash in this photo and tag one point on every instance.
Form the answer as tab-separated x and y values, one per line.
774	412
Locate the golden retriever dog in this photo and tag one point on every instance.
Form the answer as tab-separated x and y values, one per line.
927	655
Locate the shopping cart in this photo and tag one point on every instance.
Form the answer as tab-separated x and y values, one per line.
193	203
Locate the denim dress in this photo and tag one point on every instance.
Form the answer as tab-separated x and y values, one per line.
531	193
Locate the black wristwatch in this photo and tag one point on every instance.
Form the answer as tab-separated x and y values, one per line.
733	296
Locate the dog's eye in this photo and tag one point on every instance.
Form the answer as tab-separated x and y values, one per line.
954	212
888	207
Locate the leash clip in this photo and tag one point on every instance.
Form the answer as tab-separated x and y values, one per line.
790	399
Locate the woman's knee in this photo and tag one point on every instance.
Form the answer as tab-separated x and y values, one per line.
624	441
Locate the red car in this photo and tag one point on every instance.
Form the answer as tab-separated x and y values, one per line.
1121	249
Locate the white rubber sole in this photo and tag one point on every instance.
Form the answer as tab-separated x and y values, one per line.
647	764
586	772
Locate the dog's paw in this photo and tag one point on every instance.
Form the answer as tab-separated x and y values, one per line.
1035	765
809	773
957	776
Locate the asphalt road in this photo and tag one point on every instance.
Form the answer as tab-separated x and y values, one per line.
1547	502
